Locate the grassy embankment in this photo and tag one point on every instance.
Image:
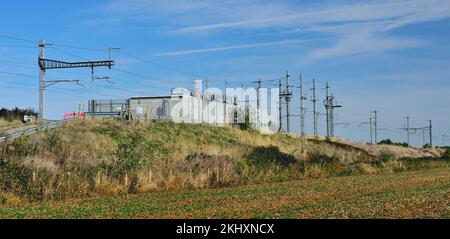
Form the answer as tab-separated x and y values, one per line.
108	157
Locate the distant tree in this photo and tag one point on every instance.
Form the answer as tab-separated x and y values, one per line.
16	113
389	142
386	142
427	146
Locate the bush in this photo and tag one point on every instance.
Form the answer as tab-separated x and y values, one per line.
446	154
19	146
133	153
321	159
266	156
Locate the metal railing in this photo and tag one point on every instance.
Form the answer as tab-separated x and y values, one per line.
48	125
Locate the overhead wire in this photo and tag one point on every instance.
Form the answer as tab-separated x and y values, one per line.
158	64
18	39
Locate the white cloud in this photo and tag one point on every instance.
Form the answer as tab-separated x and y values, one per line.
234	47
357	27
363	43
403	12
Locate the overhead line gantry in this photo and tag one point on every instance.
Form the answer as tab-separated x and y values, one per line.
48	64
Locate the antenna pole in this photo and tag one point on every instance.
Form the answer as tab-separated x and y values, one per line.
302	107
371	130
375	124
41	79
431	133
280	105
327	108
287	97
407	130
314	100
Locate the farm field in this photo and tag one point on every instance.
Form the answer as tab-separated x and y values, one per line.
413	194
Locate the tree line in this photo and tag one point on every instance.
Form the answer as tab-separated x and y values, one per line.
16	113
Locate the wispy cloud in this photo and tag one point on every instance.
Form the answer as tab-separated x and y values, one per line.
362	43
357	27
403	12
234	47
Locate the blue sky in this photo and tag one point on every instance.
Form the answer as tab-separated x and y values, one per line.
392	56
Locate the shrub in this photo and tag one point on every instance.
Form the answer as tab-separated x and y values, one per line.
266	156
133	153
318	158
52	141
446	154
127	158
19	146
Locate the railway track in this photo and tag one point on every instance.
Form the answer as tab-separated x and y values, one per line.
48	125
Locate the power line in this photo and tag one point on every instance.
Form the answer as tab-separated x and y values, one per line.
68	53
213	79
80	48
143	60
146	77
159	65
16	46
17	63
133	91
18	39
17	74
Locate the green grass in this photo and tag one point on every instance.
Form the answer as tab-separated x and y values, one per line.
415	194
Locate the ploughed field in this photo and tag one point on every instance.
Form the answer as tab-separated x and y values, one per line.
412	194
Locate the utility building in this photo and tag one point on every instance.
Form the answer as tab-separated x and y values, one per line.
180	107
186	106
